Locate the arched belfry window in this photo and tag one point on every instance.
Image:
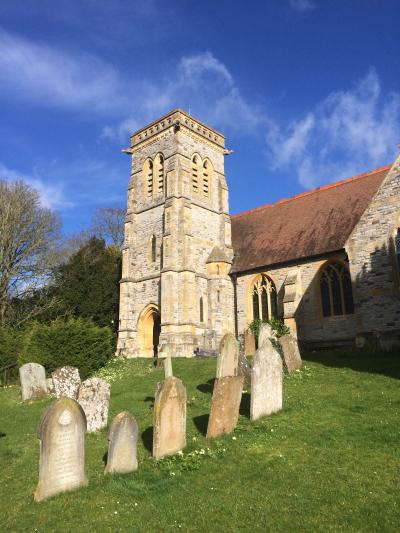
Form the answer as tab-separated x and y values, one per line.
159	172
206	177
195	173
336	290
153	248
263	298
148	177
201	309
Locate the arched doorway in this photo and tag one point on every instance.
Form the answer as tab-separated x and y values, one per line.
149	327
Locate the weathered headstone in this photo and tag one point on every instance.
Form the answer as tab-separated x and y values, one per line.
244	369
225	405
122	447
169	427
228	357
266	378
66	382
61	431
290	353
94	398
33	381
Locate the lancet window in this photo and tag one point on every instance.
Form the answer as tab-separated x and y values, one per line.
336	290
264	300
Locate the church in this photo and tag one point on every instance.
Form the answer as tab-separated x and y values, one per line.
326	262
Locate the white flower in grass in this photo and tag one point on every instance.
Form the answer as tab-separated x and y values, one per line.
233	438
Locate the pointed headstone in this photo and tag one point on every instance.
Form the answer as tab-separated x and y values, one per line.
169	427
94	398
228	357
290	353
61	432
266	378
33	381
225	405
122	447
66	381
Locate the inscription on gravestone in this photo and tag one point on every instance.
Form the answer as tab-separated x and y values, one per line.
61	432
33	381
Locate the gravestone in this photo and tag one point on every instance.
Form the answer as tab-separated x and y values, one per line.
225	405
61	431
266	378
228	357
290	353
33	381
66	382
169	427
122	447
244	369
50	385
94	398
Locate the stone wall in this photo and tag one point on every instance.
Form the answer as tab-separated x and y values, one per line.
374	267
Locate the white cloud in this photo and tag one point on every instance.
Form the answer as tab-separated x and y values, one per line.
348	132
51	195
302	5
200	84
44	75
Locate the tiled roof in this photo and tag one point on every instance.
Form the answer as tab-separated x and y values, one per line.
308	224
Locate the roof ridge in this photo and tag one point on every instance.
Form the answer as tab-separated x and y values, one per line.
317	189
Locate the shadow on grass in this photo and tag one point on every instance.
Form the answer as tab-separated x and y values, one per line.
150	399
147	438
245	405
2	434
201	423
105	457
387	364
208	387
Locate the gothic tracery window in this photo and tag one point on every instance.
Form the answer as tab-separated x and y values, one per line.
336	290
264	300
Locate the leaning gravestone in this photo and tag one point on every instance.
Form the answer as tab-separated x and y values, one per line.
228	356
61	432
66	382
33	381
290	353
266	377
94	398
122	447
169	427
225	405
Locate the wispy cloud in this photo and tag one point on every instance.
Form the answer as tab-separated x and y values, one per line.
51	77
348	132
51	195
201	84
302	5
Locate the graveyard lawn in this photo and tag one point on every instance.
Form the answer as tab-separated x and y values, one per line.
328	462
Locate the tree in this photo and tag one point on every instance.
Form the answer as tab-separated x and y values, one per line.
87	285
28	233
108	224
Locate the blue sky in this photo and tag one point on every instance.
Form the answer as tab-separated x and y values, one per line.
305	91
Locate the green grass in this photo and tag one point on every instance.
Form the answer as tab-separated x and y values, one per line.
328	462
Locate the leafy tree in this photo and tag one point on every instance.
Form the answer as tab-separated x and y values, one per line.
87	285
28	233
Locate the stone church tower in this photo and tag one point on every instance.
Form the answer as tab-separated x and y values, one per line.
175	286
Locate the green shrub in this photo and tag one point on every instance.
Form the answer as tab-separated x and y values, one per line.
11	344
75	342
276	324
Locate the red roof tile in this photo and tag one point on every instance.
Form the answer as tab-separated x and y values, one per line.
308	224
